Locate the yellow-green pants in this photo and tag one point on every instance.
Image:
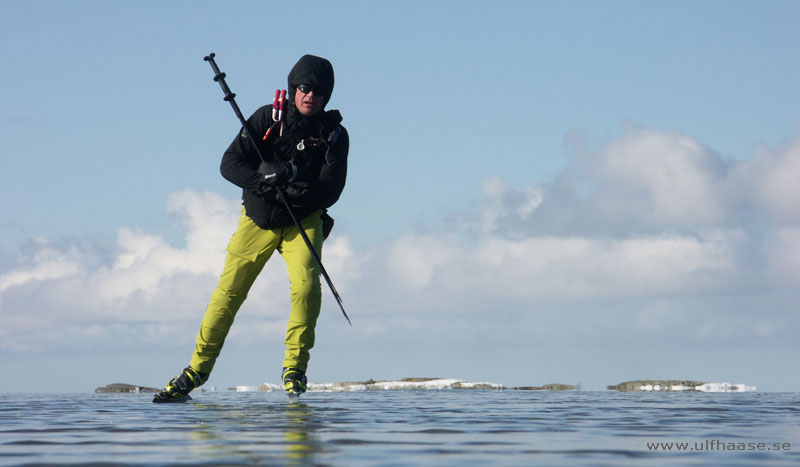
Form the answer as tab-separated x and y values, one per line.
248	251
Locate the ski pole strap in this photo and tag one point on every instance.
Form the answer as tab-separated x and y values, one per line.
269	130
281	107
278	105
275	105
281	104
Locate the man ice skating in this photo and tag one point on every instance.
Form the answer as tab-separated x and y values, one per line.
305	156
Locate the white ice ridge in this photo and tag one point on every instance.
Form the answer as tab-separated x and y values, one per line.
247	388
707	387
388	385
441	383
724	387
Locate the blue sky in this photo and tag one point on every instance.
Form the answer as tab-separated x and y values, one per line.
538	191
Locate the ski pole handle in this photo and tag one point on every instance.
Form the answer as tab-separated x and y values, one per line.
219	77
229	96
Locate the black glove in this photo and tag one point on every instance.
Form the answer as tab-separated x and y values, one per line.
301	194
266	192
277	173
270	175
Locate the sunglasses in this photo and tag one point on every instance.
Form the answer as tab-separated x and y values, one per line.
307	88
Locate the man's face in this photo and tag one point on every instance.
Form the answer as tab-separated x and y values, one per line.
310	102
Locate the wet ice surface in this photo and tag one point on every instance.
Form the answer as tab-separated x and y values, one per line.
404	427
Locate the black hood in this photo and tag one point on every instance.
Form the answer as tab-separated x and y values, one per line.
313	70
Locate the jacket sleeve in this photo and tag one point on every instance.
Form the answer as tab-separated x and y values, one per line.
333	173
240	162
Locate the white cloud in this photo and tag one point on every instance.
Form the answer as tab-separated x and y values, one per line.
144	261
784	256
83	288
666	179
648	182
770	178
47	263
504	201
412	260
545	268
341	260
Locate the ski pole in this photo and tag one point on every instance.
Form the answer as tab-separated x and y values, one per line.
230	97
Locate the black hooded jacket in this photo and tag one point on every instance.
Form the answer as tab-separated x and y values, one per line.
322	154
